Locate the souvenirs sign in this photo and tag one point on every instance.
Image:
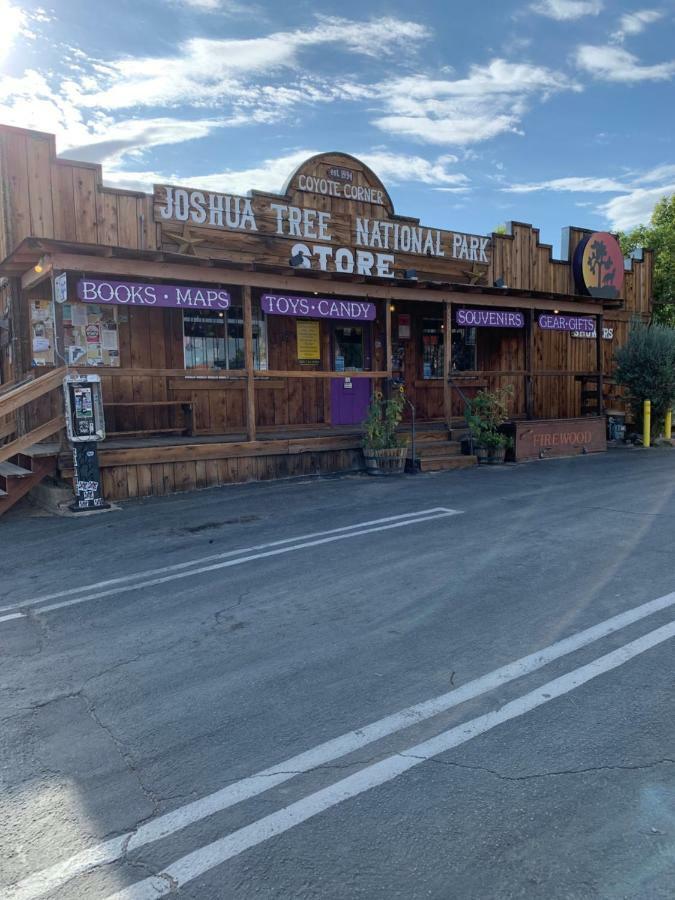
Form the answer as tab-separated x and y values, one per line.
334	216
491	318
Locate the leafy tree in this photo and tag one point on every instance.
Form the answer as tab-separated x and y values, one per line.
646	368
658	236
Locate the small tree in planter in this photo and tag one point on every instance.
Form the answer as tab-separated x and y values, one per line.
382	449
645	366
487	411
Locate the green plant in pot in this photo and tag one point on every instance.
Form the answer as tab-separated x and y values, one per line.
486	412
383	451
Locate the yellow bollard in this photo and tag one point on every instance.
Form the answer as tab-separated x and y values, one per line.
647	423
668	430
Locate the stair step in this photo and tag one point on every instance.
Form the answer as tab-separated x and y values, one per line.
436	448
3	493
440	463
8	469
441	435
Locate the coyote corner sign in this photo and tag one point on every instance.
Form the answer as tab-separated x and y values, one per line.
335	215
598	266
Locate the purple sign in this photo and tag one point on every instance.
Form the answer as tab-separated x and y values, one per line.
490	318
127	293
317	307
556	322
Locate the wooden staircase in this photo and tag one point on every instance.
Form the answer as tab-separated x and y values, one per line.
24	461
435	451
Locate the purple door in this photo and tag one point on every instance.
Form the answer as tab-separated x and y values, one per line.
349	399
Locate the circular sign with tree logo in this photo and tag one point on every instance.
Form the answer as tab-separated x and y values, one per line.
598	266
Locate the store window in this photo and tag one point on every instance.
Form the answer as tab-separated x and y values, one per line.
349	348
215	339
432	348
464	349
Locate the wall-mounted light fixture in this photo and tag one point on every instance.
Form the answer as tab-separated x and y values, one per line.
410	274
500	283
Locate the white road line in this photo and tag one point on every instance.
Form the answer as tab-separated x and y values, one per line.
177	567
238	561
48	880
191	866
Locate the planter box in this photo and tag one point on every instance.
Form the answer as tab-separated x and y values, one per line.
544	438
385	462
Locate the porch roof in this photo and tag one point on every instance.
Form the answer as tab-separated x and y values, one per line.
59	255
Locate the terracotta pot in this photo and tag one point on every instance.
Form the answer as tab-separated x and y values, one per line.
385	462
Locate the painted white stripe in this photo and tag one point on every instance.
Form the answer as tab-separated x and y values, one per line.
191	866
238	561
176	567
48	880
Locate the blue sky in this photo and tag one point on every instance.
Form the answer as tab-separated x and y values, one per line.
554	112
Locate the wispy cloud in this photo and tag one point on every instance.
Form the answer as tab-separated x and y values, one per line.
610	63
491	100
567	10
635	197
635	23
573	183
272	174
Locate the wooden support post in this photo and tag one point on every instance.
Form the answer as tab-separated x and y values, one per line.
248	364
447	365
529	358
388	362
599	363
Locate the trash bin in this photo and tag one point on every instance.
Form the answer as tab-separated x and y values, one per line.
616	426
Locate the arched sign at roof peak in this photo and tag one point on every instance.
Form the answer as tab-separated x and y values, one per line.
340	176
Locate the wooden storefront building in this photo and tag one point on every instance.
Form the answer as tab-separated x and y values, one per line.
240	338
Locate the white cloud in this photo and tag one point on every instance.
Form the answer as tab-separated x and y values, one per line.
490	101
13	21
205	71
610	63
636	22
272	174
633	203
567	10
634	208
572	184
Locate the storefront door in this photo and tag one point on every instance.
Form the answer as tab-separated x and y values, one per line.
349	396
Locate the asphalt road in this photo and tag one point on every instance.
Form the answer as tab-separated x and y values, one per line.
247	692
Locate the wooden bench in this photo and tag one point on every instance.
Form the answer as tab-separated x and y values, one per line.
185	405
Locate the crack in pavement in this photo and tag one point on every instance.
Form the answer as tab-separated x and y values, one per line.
559	772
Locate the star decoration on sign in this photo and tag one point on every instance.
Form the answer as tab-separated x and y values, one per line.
475	275
185	240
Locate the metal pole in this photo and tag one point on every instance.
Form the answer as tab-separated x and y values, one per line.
647	423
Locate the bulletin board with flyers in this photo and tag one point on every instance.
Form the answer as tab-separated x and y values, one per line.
91	334
42	332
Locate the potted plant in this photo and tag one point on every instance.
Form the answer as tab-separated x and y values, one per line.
486	412
383	452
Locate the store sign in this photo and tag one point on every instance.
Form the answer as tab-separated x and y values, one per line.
335	216
598	266
566	323
559	437
317	307
125	293
490	318
607	334
61	287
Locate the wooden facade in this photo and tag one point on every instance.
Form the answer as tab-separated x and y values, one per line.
333	233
